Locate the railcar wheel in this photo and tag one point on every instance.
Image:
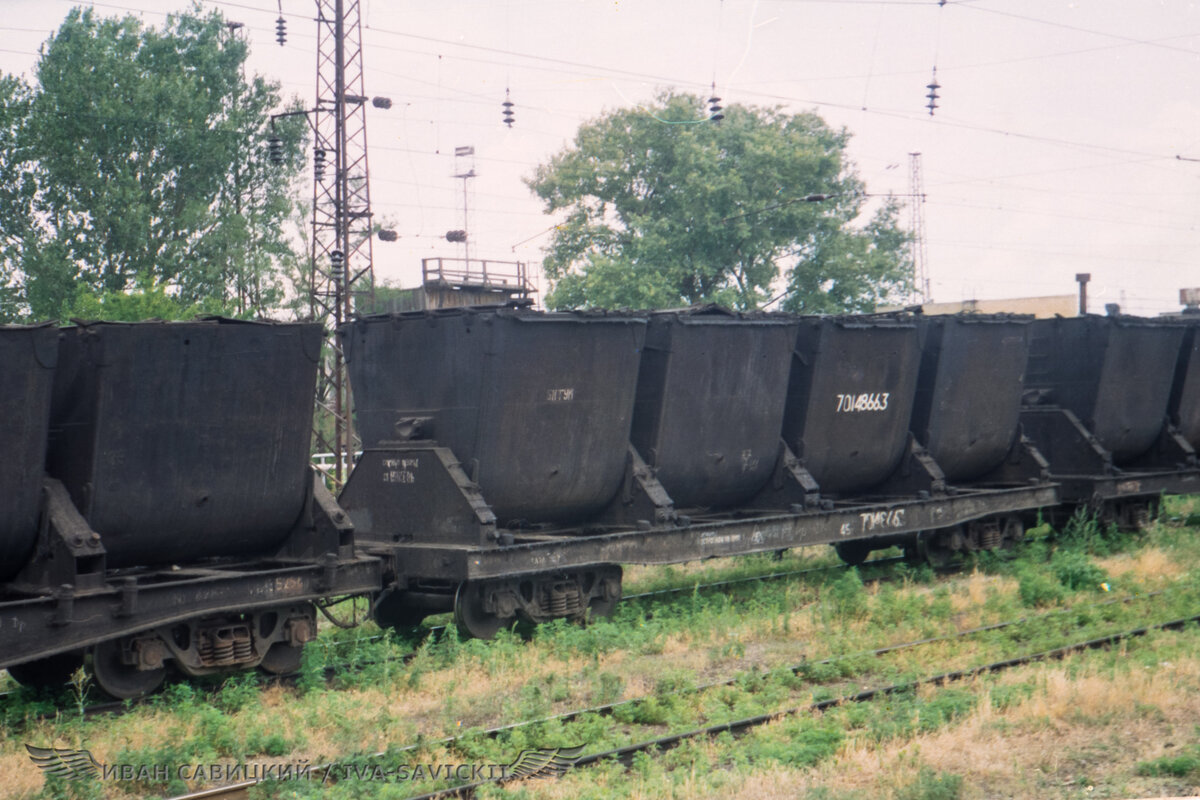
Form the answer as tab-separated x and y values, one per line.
470	616
853	553
931	549
119	679
609	599
1012	532
282	658
51	672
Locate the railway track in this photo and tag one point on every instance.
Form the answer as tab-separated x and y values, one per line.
117	707
739	727
625	754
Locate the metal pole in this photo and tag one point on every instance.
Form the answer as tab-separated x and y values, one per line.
466	226
1083	278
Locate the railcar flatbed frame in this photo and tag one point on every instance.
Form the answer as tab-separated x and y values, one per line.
67	620
699	540
66	600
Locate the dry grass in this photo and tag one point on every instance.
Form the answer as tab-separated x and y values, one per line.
987	747
1075	731
1152	565
1080	732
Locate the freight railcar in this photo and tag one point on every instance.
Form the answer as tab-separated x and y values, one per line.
684	435
177	523
160	512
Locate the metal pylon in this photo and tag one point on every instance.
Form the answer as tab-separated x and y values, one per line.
341	267
919	293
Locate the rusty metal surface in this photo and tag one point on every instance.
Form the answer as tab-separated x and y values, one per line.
40	626
968	401
536	407
27	357
718	538
850	399
711	392
1097	489
181	441
1114	373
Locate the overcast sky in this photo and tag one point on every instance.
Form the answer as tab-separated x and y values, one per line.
1054	150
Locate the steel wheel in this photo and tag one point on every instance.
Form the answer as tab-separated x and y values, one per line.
282	659
853	552
606	605
470	617
120	680
931	551
1013	533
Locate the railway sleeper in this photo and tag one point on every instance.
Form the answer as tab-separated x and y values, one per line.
483	608
272	638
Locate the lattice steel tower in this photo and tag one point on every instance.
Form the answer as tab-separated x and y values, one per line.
919	293
341	268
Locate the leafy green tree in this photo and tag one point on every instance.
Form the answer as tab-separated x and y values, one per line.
17	189
147	300
143	168
665	207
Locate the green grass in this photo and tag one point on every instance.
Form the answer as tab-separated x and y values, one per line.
751	633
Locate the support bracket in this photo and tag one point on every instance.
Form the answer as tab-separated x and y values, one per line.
324	529
641	501
1065	442
1024	464
791	486
417	493
1170	451
917	475
69	554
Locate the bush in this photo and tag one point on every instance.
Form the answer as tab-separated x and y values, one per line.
1037	589
1170	766
1075	570
847	594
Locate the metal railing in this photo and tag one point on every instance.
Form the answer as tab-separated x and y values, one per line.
504	275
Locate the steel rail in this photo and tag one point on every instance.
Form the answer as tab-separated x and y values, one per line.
738	727
119	707
626	753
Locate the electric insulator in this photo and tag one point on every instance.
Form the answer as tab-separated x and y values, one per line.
337	260
933	87
456	236
275	150
714	109
382	102
387	235
318	165
508	110
281	30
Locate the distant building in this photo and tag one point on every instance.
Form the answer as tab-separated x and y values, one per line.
451	282
1063	305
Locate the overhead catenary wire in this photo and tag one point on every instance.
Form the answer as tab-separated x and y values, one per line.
765	95
1148	159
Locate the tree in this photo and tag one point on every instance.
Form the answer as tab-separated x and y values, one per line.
142	164
665	207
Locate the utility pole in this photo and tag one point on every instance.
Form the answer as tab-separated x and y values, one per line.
465	175
341	267
920	258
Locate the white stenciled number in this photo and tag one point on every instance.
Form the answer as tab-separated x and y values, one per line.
867	401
